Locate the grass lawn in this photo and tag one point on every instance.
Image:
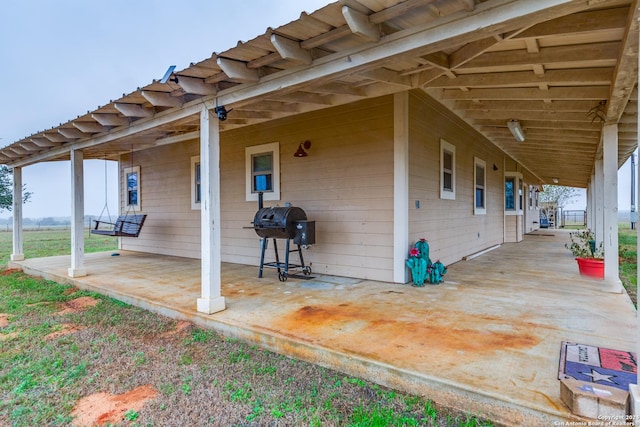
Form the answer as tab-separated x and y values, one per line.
627	239
52	242
201	377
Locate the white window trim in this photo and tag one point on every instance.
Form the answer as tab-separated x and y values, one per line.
476	210
445	194
195	205
136	170
518	209
274	148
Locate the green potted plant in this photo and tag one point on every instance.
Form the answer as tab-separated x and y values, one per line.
589	257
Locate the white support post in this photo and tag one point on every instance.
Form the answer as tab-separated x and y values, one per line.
591	203
18	253
211	300
77	215
634	390
598	205
400	185
610	190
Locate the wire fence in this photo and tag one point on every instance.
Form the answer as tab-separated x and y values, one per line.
574	219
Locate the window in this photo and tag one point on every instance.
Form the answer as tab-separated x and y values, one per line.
513	193
262	164
447	170
196	186
132	187
480	185
509	193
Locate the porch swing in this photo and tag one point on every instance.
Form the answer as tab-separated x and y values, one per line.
127	225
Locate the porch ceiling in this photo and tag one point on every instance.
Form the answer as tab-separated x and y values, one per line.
560	67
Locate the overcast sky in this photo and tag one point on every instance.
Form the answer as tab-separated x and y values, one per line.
63	58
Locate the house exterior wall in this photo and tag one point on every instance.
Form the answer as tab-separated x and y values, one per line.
450	226
345	184
171	226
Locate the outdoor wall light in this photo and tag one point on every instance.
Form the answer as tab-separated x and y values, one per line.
300	152
516	130
221	112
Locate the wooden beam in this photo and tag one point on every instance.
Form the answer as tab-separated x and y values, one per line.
397	10
564	93
133	110
529	115
29	146
470	51
360	25
237	70
90	127
55	137
72	133
302	97
577	23
290	50
438	60
109	119
513	105
41	141
580	77
592	55
626	73
387	76
161	99
196	86
469	5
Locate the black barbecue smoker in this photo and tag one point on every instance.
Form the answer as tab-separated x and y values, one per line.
289	223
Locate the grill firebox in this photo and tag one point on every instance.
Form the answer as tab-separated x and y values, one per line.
286	222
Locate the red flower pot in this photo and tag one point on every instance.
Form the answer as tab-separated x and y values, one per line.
591	267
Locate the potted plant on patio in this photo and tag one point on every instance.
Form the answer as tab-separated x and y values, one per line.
589	257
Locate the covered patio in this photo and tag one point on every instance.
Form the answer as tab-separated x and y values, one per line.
486	341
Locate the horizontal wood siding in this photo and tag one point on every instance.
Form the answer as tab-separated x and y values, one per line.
171	226
345	184
450	226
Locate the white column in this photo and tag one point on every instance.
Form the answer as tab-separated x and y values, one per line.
591	203
634	390
18	253
400	185
77	215
610	190
211	300
598	205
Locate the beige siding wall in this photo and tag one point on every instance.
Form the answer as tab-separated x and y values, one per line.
450	226
171	227
345	185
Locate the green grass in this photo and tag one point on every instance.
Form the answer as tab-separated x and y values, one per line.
628	251
225	382
52	242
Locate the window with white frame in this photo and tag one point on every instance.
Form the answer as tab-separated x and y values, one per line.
480	185
196	186
262	167
132	187
447	170
513	193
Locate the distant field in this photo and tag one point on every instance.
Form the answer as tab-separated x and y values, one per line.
53	242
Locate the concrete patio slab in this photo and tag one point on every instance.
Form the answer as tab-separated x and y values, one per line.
486	341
